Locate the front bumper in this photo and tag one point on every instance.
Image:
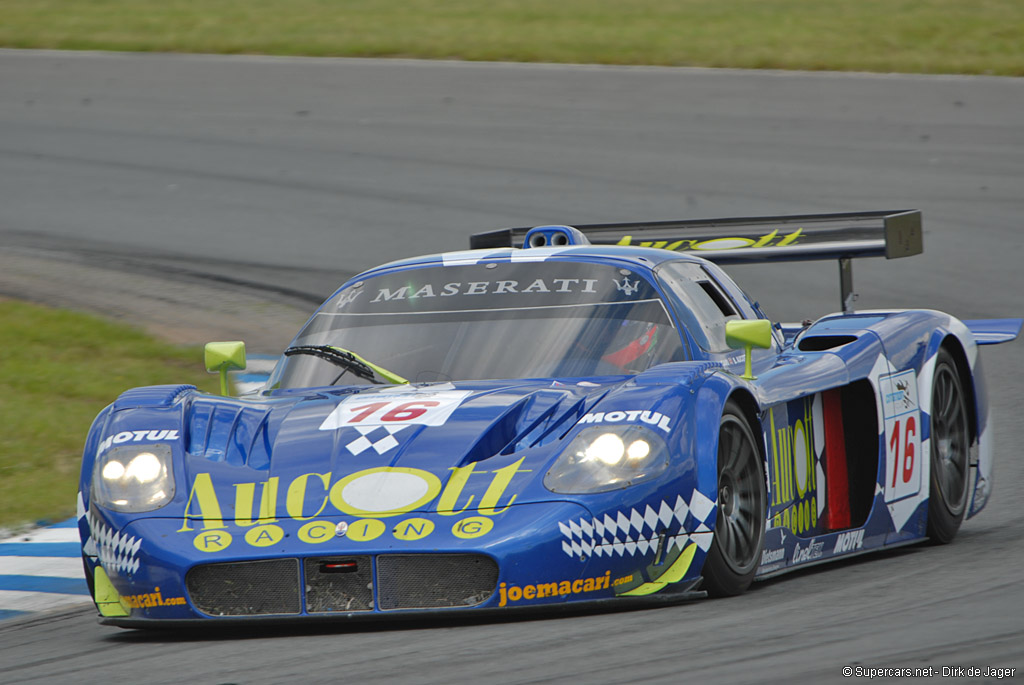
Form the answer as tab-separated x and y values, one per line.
159	570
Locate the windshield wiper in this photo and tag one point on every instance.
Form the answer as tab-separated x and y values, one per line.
348	360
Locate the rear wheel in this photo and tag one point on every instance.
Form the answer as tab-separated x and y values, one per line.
739	530
950	457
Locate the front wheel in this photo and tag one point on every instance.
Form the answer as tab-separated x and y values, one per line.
950	456
739	531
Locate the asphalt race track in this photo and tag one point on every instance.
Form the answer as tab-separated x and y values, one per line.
323	167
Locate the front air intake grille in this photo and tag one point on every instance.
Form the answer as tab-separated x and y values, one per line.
248	588
428	581
338	584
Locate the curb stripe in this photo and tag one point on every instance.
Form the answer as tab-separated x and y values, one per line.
61	586
40	549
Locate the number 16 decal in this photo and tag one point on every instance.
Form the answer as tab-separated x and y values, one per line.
902	434
381	409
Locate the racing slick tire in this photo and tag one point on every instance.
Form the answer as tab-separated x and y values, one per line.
950	451
735	551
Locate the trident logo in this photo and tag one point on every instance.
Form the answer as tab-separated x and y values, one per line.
627	287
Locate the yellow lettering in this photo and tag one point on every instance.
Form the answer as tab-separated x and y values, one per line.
547	590
472	527
212	541
812	473
413	529
723	244
365	530
316	532
209	508
791	238
264	536
374	478
799	436
565	588
588	586
502	478
515	594
765	239
577	585
682	245
452	490
295	500
244	496
776	490
529	592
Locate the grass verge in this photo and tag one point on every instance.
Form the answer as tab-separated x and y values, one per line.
931	36
58	369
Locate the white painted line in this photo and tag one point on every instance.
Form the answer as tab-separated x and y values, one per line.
46	535
17	600
58	567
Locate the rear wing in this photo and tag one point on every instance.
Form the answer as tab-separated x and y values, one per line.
844	237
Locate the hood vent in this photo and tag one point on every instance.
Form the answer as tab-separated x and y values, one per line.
520	428
231	434
820	343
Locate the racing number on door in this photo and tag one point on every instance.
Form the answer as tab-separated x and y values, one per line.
908	451
903	449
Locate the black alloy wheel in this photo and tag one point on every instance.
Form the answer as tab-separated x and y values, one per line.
735	551
950	451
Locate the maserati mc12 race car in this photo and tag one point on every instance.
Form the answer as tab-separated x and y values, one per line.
561	415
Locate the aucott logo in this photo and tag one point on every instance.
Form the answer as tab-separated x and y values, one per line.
715	244
651	418
147	435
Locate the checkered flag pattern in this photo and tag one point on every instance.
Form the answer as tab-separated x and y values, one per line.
630	532
117	552
379	438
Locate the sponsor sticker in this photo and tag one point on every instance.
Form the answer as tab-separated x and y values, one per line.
813	550
902	434
395	409
145	435
651	418
152	599
849	541
557	588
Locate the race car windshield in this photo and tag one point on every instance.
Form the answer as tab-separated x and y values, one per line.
488	321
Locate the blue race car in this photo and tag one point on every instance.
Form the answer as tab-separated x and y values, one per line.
599	415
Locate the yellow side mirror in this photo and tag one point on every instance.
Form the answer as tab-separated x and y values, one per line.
221	357
746	335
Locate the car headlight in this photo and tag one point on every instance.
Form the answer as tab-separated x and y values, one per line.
607	458
133	479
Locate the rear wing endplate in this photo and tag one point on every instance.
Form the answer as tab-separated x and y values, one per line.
747	240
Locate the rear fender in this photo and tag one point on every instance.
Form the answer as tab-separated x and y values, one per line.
959	340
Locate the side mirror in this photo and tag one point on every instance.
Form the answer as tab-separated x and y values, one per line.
221	357
746	335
